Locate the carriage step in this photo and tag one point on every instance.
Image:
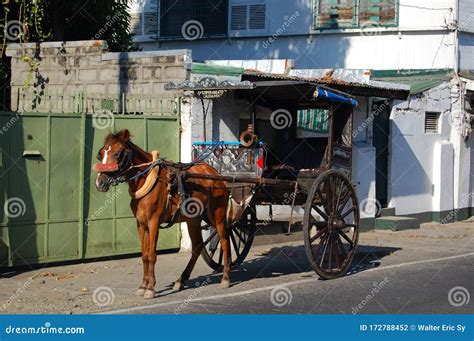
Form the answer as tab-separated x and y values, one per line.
387	212
396	223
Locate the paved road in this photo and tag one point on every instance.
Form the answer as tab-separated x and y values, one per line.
394	272
416	287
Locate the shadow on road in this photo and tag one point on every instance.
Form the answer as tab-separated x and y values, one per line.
287	260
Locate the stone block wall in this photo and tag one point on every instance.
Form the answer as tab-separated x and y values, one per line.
46	74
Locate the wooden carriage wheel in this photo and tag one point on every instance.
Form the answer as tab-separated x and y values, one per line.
241	236
331	224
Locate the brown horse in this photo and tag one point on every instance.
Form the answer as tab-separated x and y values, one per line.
123	161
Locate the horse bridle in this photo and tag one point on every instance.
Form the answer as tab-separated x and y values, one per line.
124	160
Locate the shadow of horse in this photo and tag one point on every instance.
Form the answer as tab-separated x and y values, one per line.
286	260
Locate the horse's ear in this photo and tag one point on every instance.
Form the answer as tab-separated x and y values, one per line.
124	135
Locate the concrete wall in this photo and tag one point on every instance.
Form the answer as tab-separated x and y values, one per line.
66	69
421	164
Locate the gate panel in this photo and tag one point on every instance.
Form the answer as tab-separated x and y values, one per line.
27	176
46	161
64	172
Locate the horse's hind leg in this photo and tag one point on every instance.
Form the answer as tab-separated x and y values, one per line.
194	229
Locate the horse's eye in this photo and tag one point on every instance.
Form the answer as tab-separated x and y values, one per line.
98	156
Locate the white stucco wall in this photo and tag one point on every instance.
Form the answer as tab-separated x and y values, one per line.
412	151
420	41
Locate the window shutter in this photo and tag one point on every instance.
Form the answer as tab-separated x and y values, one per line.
257	17
378	11
151	23
336	13
431	122
239	18
136	24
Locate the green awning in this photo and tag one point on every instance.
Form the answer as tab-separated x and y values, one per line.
216	70
419	80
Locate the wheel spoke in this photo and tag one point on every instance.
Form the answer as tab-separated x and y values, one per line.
237	249
341	246
338	264
318	223
344	201
212	235
321	213
238	234
330	253
317	235
343	235
323	256
348	212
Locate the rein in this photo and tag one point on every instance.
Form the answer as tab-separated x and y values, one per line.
151	172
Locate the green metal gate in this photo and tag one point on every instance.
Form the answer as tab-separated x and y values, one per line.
51	210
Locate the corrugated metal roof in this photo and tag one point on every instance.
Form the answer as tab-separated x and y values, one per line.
379	89
419	80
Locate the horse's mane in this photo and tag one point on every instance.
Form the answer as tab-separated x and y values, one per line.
124	136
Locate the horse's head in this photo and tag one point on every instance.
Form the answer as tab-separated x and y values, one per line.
115	157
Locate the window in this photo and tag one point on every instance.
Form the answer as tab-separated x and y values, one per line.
212	16
336	13
333	14
431	122
383	12
248	17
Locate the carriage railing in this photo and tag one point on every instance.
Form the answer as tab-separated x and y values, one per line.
230	158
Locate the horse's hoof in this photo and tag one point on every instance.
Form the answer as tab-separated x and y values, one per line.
149	294
140	292
178	286
225	284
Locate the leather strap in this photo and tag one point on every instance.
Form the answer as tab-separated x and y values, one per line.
149	181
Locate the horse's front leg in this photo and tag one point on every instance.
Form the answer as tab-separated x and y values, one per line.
144	241
153	231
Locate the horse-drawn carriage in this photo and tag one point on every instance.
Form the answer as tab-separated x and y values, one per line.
227	180
331	212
